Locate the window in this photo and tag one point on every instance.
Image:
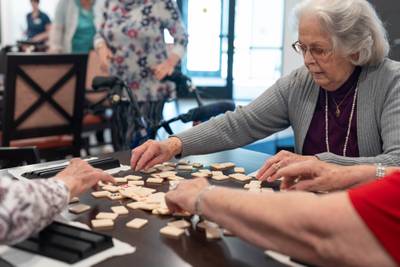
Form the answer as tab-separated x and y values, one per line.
206	59
259	27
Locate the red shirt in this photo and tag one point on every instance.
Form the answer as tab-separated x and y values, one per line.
378	204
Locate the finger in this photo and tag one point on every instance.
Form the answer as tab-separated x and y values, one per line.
272	174
268	163
287	182
146	157
96	176
160	75
281	164
137	154
285	158
306	185
156	160
171	199
75	161
303	169
271	171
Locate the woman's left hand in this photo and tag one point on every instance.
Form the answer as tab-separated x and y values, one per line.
318	176
162	70
274	163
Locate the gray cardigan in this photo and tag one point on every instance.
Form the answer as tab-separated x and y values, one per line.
291	102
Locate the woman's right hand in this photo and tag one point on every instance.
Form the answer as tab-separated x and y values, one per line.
155	152
79	176
105	56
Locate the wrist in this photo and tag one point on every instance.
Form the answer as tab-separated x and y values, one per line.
362	173
69	184
173	60
65	185
99	44
174	145
380	171
199	199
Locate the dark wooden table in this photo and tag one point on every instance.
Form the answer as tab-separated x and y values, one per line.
153	249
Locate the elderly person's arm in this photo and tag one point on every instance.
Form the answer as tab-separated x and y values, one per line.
319	176
103	51
57	29
264	116
28	206
171	19
321	230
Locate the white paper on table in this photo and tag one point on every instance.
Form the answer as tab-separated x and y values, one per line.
17	172
22	258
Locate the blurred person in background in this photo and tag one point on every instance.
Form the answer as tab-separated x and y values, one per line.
131	45
74	26
38	24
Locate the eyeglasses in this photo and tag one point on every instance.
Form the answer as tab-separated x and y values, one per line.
316	52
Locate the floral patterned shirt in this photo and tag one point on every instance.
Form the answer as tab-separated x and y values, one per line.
27	207
134	31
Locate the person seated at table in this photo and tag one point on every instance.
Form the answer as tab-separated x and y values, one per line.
343	105
38	24
27	207
360	227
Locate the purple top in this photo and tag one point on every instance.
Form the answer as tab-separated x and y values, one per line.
314	142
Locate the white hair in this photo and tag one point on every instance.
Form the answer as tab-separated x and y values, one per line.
354	25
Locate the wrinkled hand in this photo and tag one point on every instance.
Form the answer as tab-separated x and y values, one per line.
162	70
318	176
274	163
79	176
154	152
184	196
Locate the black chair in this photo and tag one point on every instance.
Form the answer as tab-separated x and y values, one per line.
43	98
17	156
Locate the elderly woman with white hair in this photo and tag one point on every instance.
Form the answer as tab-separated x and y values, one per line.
343	105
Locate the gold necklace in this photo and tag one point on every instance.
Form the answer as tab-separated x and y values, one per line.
337	112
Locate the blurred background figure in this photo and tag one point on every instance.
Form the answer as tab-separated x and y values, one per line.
73	27
38	24
130	43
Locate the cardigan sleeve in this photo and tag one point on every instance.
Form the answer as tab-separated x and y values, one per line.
100	23
264	116
170	17
27	207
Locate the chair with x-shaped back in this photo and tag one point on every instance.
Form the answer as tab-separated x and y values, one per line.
44	95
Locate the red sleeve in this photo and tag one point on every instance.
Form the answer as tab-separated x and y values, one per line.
378	204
